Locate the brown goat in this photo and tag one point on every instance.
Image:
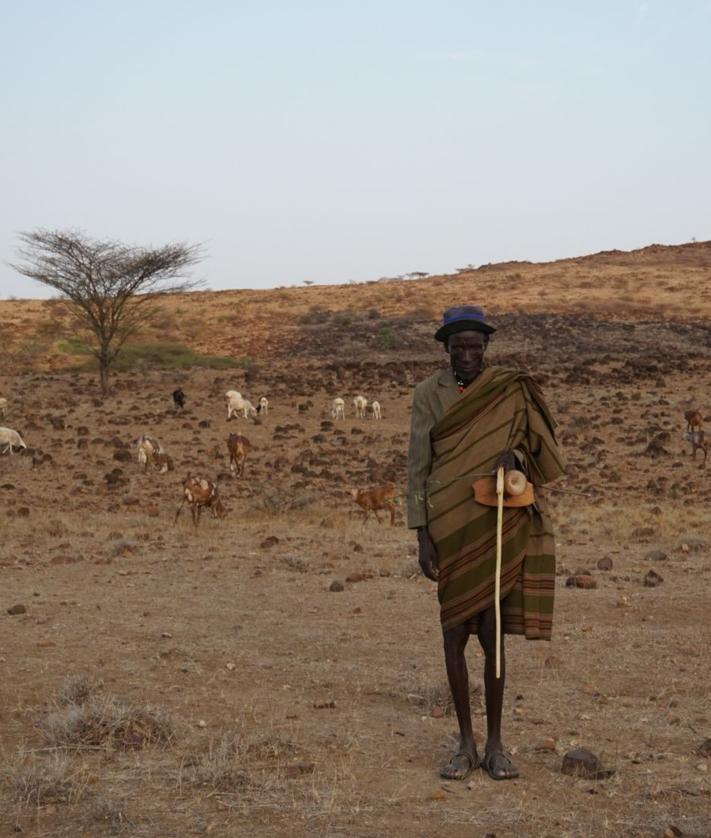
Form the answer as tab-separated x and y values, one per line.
373	500
698	440
238	446
200	492
693	419
151	451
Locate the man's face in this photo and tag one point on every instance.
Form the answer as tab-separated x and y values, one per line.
466	353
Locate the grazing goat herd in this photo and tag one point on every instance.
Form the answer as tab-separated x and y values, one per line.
200	492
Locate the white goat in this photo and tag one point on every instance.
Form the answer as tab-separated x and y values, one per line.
10	438
360	403
338	409
3	406
263	406
236	404
377	412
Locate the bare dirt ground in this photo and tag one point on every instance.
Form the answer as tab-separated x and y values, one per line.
220	687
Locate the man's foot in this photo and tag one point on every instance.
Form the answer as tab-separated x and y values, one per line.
498	766
460	766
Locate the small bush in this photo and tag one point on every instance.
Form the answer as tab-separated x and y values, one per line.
387	338
105	721
77	689
38	782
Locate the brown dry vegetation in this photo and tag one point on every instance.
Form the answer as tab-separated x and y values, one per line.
217	686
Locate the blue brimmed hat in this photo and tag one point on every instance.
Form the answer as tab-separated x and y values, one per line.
463	319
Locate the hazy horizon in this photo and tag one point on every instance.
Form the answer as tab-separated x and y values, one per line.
328	144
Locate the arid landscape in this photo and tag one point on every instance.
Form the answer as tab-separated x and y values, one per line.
279	671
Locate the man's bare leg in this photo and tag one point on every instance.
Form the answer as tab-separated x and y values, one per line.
462	763
496	762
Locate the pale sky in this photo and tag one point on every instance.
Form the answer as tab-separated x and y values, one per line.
329	141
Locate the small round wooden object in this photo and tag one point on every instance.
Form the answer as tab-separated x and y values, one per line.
514	483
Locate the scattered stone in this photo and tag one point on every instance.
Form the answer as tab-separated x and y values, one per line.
330	704
202	723
231	666
652	579
337	585
438	794
656	556
692	543
358	576
604	563
623	602
269	542
581	581
17	609
585	764
672	831
437	712
546	745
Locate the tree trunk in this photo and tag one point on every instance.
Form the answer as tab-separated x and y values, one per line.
104	375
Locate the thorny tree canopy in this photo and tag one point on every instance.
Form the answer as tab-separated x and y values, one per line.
110	286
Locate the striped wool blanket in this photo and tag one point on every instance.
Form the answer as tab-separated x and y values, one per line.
501	410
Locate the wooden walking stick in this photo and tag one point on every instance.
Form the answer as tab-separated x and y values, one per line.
497	579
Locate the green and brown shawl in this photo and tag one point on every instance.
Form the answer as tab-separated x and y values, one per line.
501	410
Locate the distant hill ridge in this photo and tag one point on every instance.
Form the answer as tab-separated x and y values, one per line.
655	283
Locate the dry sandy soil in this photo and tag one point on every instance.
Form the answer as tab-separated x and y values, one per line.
165	683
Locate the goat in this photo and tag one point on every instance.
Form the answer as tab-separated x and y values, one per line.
377	412
3	406
360	403
338	409
200	492
151	451
263	406
373	500
236	404
693	419
179	398
10	438
238	446
698	440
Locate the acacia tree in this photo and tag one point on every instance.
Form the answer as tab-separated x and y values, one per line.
111	288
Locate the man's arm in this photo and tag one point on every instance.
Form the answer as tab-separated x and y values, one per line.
419	465
419	460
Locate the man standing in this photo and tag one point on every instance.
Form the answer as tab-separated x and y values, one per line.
467	421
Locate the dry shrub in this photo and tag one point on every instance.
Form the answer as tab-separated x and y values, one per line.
106	721
77	689
38	782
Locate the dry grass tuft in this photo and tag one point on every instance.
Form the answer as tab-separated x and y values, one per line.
77	689
109	814
238	763
106	721
36	782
